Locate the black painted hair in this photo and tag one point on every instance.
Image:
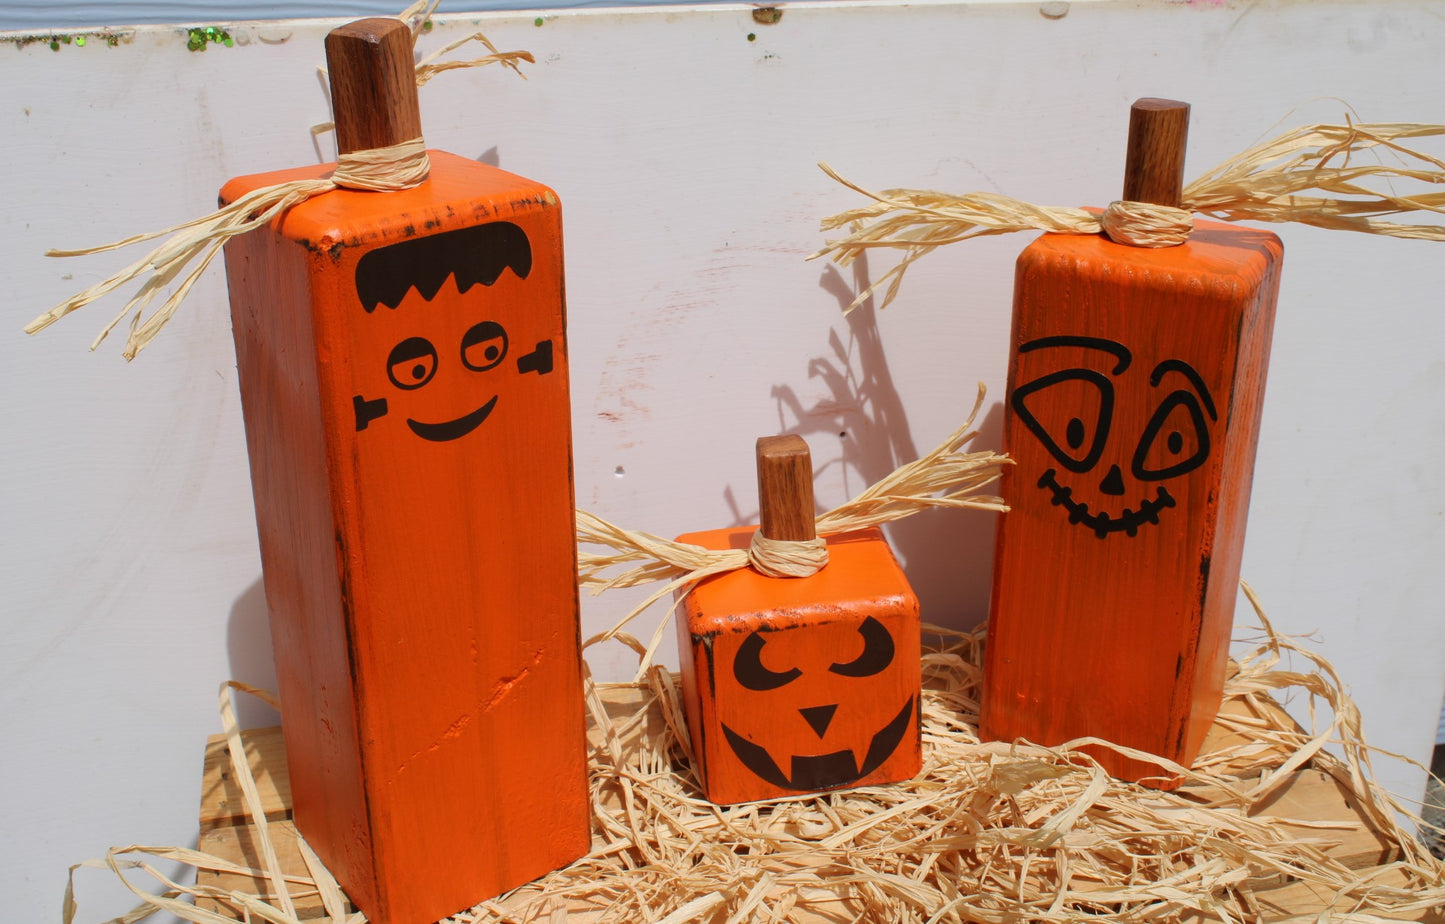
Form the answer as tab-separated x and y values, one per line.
476	254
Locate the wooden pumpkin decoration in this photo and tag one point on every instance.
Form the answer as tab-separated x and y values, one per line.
806	684
1135	387
404	381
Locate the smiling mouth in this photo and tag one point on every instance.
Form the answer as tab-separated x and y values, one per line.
452	429
824	771
1102	523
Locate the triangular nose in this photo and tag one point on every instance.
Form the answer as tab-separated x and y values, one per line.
1113	483
819	717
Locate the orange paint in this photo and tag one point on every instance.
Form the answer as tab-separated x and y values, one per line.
806	684
1135	388
403	371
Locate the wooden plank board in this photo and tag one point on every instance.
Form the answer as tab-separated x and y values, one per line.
1301	901
240	844
1315	807
221	802
1232	746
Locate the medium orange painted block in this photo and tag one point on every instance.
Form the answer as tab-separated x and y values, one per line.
798	685
1135	387
403	371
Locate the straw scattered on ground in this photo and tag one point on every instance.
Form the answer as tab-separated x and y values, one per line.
987	832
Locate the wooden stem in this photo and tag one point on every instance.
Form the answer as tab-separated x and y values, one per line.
785	488
1154	166
373	84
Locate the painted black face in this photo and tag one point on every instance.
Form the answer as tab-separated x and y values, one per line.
1074	413
414	361
468	256
808	773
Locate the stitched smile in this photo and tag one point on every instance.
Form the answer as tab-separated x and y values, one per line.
452	429
1102	523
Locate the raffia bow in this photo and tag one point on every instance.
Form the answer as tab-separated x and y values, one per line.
191	246
946	477
1271	181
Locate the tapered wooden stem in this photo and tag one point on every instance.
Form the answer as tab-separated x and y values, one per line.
1154	166
785	488
373	84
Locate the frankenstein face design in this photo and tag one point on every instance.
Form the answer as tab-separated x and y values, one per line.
1119	439
797	737
458	337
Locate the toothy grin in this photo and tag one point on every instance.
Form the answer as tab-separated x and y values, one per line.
825	771
1102	523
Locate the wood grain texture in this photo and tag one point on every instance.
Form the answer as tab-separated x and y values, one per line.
241	845
221	800
1135	387
1154	159
801	684
373	84
785	488
403	373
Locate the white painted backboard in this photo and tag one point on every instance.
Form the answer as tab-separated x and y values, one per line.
683	143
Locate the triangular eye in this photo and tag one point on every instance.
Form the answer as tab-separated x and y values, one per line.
748	666
1175	441
1070	412
877	651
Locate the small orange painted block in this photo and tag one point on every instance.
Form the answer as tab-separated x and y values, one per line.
403	373
1135	390
798	685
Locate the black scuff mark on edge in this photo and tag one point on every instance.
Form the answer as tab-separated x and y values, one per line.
705	642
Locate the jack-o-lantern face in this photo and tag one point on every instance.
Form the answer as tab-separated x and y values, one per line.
803	721
801	684
1117	439
445	343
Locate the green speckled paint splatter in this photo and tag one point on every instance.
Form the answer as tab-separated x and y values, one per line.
198	38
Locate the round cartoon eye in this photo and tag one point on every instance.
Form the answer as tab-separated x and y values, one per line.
749	670
1070	412
877	651
1175	441
412	363
483	346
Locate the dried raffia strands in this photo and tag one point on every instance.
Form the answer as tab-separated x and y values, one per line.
276	905
191	246
419	14
987	832
1313	175
945	477
418	17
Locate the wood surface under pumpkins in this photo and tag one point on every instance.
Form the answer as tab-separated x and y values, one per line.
1135	387
404	381
800	684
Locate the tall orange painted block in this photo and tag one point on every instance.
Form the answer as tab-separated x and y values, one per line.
807	684
403	371
1135	387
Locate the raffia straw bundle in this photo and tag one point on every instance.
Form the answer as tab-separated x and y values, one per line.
987	832
1268	182
945	477
191	246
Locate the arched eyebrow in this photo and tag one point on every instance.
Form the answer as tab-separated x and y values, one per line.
1118	350
1186	370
